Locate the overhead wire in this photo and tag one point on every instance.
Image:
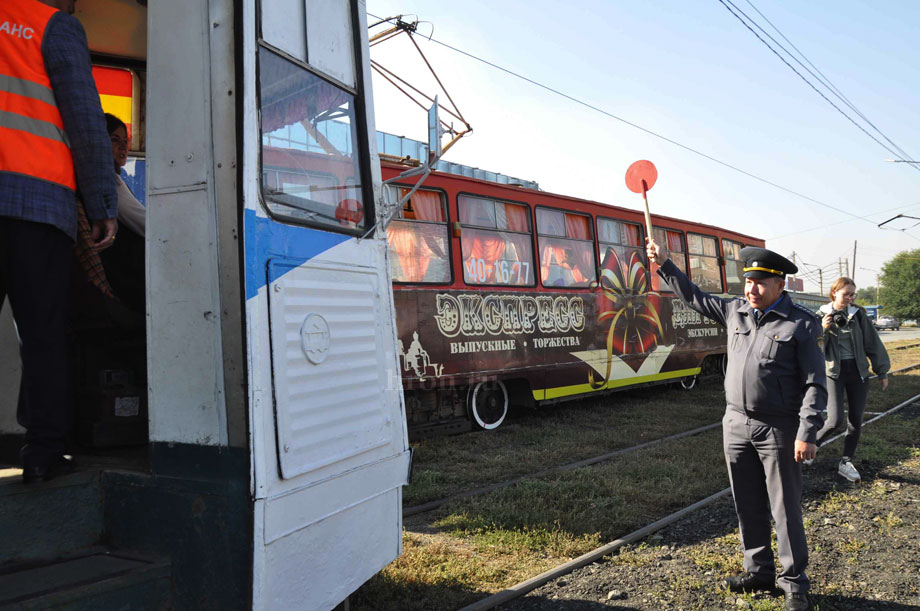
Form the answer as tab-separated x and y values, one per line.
823	79
826	225
731	9
639	127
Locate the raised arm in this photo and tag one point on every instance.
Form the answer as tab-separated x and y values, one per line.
704	303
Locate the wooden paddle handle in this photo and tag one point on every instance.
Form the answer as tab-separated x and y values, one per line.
648	216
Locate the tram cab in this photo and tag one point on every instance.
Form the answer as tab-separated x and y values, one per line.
240	441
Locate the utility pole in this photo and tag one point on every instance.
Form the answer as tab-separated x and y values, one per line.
793	275
821	280
853	277
846	266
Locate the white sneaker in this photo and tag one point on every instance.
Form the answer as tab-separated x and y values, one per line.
847	470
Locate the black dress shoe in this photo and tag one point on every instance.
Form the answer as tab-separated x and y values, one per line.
748	582
36	470
797	601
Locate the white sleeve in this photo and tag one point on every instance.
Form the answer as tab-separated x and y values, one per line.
131	213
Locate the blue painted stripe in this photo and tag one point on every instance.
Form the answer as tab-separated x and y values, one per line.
265	238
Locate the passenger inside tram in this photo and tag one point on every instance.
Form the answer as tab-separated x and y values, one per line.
124	261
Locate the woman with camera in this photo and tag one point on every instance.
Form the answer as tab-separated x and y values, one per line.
849	340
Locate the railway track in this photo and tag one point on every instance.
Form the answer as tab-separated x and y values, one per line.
587	462
520	589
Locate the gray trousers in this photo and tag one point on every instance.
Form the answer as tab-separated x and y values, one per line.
766	481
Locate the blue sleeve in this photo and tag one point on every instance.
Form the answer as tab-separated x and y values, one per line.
69	69
704	303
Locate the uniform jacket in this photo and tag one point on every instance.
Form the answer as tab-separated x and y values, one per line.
54	68
866	343
775	371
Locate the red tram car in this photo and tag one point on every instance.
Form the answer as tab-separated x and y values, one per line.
507	295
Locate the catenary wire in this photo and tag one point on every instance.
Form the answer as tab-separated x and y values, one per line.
642	129
809	83
821	77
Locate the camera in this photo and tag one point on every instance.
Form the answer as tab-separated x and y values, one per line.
839	317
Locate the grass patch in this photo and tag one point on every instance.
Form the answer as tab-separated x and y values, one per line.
482	544
532	441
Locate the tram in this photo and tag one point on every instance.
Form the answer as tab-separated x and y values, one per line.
241	442
509	295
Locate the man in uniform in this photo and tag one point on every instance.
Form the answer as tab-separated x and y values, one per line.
775	393
52	140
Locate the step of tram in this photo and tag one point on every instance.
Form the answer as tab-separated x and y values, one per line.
48	519
95	579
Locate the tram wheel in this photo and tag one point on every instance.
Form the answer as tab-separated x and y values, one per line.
488	404
688	383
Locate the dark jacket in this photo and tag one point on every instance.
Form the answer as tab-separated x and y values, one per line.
866	344
775	372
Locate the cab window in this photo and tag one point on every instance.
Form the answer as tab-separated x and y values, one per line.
566	249
418	240
495	242
311	172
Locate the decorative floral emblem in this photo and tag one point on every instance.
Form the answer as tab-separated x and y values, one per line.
625	301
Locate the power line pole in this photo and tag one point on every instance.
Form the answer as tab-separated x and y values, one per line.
793	275
821	280
853	277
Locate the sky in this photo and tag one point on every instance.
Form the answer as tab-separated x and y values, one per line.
692	73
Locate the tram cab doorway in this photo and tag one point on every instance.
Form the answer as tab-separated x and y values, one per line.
107	347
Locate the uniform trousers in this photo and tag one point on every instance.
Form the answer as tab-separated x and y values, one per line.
848	382
35	263
766	481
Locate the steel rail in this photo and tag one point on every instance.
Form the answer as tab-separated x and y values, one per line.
522	588
432	505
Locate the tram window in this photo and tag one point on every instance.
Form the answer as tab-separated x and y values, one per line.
495	242
734	274
704	262
311	168
417	239
674	242
566	249
620	242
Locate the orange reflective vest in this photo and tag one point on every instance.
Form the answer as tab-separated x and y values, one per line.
32	137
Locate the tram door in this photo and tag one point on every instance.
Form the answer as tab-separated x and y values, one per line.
329	447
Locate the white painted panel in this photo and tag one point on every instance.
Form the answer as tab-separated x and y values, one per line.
283	26
184	354
183	339
293	511
178	76
317	567
331	49
327	379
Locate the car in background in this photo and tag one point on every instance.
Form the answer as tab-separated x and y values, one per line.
887	322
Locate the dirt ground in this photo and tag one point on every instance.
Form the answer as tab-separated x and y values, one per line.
864	542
